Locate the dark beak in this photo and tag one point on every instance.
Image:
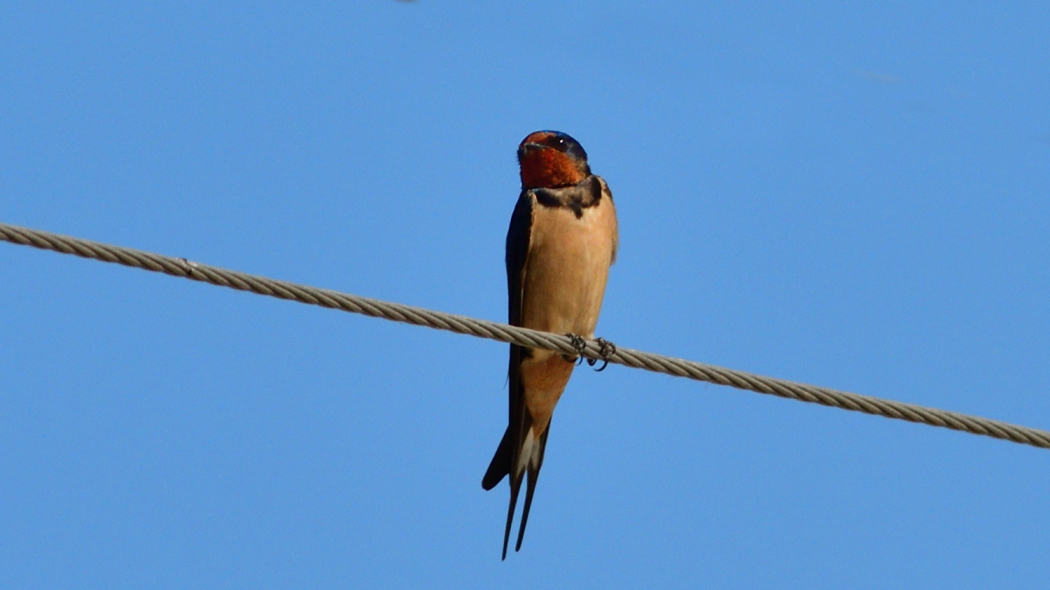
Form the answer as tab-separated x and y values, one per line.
527	148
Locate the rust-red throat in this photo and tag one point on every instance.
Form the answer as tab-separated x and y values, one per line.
544	166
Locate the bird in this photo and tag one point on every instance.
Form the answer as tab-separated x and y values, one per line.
562	239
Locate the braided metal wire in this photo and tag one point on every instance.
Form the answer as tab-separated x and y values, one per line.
180	267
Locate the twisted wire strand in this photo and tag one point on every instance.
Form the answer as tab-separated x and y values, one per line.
180	267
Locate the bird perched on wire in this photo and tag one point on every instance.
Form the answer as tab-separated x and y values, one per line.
560	245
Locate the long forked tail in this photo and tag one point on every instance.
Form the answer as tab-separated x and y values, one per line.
530	459
534	465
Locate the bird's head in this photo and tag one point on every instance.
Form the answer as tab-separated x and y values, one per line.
550	159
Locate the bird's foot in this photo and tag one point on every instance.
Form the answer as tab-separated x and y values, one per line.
605	349
580	344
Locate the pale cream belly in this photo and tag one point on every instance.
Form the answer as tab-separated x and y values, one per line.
565	278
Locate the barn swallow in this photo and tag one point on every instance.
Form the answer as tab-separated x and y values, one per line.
560	245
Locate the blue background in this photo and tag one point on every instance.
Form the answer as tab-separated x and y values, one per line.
852	196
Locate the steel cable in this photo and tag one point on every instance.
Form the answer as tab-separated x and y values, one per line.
180	267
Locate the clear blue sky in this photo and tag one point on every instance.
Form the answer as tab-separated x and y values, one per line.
855	197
